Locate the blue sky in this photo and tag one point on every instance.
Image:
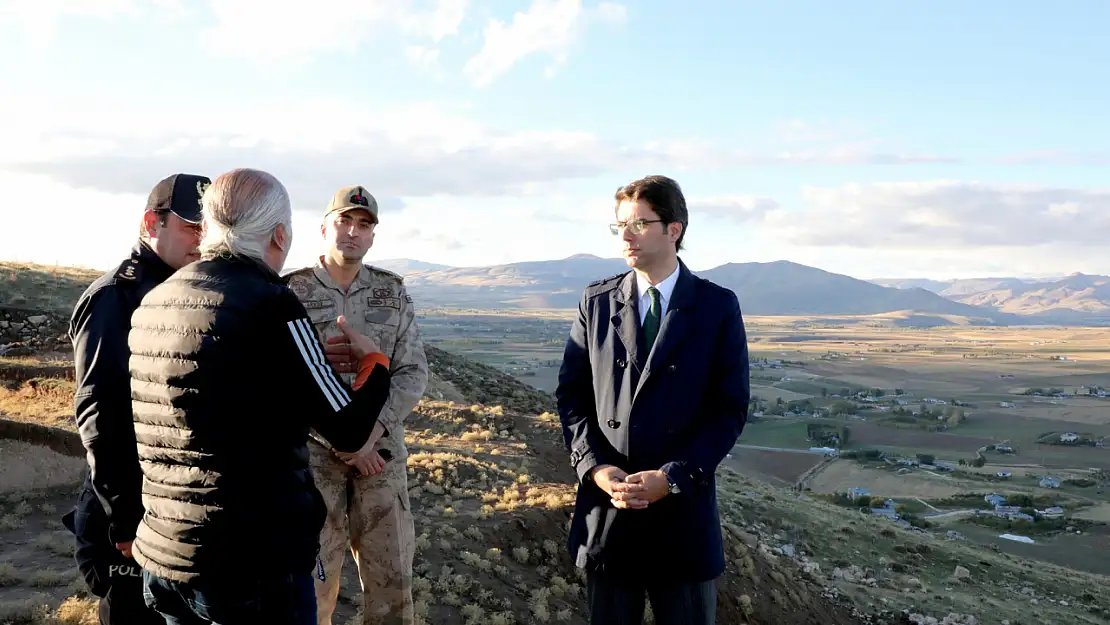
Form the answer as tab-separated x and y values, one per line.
940	139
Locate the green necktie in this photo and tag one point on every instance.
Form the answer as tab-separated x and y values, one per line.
651	321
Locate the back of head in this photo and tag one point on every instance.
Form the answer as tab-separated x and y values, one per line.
242	208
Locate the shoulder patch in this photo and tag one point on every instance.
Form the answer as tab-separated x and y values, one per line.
396	276
129	270
605	284
296	272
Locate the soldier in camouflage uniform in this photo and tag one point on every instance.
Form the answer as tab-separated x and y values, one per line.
367	494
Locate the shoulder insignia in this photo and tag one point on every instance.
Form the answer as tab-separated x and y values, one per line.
130	270
387	272
287	276
604	280
605	284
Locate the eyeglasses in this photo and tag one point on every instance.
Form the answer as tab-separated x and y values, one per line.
637	227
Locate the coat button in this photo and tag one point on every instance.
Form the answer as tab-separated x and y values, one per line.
621	363
671	368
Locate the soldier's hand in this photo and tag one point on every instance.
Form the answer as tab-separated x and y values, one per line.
371	464
338	351
125	548
360	344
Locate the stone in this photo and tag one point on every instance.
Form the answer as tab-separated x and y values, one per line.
787	550
36	320
961	573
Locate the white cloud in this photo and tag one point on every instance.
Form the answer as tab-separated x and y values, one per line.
316	144
441	22
931	215
547	27
421	56
263	30
738	208
38	20
1057	157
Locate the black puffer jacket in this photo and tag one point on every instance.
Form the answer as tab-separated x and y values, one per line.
227	378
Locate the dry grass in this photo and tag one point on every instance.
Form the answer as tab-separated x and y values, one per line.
43	287
29	467
77	611
9	575
46	401
36	610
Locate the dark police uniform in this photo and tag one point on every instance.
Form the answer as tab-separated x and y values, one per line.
109	507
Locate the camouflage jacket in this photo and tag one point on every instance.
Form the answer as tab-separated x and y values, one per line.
378	306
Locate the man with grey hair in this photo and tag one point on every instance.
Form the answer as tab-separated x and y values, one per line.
227	378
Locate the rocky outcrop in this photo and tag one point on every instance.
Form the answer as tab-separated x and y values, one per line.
25	332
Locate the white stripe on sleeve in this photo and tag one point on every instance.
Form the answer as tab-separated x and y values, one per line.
326	372
312	366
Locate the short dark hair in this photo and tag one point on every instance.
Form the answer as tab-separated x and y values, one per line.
663	195
163	218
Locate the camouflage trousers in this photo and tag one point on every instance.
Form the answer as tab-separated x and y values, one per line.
370	514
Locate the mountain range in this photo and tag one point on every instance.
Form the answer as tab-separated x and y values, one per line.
780	288
1076	295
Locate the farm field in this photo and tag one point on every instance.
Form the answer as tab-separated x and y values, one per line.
778	468
775	392
842	475
779	433
980	368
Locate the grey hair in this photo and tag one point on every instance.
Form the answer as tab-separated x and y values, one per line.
241	209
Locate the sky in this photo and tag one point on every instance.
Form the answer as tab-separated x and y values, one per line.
943	139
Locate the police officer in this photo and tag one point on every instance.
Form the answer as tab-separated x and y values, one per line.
366	492
109	507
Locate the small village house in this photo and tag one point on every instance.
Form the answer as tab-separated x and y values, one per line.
1049	482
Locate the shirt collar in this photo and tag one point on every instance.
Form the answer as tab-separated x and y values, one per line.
363	280
665	288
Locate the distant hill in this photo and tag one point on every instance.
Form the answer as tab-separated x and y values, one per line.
406	265
34	287
1078	297
953	288
936	286
533	284
786	288
775	288
1077	292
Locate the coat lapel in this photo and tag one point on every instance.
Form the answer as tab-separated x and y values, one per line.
675	324
626	320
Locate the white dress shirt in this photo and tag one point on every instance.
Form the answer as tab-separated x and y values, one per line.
665	288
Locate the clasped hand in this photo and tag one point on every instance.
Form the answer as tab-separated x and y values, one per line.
632	492
367	460
344	352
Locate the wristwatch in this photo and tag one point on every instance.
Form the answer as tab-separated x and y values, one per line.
672	486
